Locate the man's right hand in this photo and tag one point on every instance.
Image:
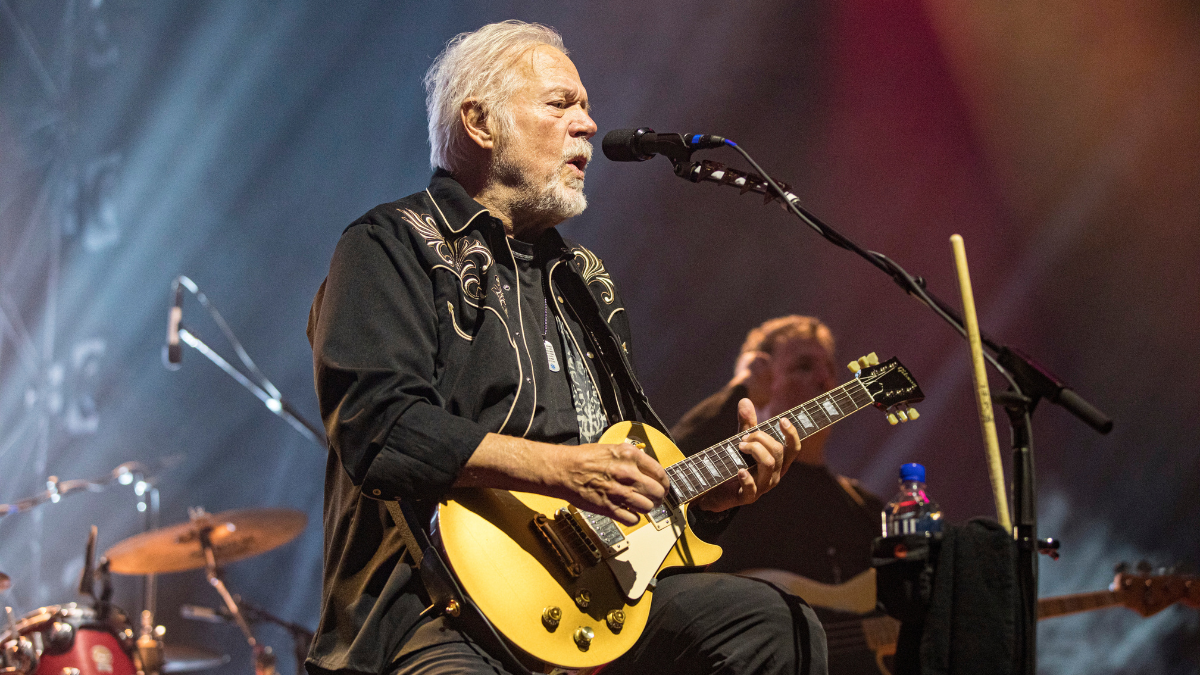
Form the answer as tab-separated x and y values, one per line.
619	481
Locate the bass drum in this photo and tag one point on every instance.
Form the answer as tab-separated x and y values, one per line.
73	640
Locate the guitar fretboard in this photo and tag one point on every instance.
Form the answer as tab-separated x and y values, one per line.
1079	602
705	470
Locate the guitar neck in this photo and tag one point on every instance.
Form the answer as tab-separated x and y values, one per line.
709	468
1078	602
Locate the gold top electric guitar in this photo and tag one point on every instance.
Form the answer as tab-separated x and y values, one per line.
572	589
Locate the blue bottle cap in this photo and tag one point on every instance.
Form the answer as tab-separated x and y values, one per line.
912	472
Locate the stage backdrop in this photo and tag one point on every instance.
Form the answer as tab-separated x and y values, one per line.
232	142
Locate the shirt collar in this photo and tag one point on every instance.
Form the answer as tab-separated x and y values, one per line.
457	208
458	211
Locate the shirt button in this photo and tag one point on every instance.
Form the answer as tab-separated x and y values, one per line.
506	287
590	355
376	492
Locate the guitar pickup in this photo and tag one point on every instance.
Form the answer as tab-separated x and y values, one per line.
662	514
603	536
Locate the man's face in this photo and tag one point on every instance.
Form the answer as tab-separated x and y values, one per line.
546	151
800	371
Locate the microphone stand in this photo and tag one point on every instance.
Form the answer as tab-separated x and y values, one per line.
263	390
1028	384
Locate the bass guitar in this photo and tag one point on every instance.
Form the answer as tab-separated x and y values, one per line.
572	589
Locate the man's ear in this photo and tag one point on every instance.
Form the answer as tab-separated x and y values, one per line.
477	123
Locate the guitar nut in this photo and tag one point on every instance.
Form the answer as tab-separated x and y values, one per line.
551	616
583	637
615	620
583	598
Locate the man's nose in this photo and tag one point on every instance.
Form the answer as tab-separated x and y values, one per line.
584	126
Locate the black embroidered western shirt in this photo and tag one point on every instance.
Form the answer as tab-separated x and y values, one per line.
420	349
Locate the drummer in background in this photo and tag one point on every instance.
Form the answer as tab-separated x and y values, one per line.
820	524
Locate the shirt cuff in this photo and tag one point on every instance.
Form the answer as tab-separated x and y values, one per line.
423	454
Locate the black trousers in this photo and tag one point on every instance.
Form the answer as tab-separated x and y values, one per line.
699	624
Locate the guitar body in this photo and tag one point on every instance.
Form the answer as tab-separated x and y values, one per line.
513	574
572	589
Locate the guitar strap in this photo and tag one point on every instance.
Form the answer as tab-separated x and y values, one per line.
415	550
442	587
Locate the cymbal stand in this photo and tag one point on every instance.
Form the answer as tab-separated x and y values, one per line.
148	506
264	659
301	636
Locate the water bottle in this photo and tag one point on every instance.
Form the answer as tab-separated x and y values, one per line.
911	511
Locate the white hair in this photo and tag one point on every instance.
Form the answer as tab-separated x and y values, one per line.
477	65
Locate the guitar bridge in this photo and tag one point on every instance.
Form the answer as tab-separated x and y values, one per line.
556	539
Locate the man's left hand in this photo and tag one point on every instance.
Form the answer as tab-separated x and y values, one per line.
773	460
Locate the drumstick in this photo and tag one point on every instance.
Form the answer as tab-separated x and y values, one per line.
987	421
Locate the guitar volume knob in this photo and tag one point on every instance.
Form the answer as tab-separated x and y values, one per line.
583	637
583	598
551	616
615	620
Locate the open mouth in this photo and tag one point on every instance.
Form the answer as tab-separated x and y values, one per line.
579	162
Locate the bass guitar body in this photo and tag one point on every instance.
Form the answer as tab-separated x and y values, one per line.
518	568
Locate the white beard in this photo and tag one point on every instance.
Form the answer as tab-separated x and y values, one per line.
551	198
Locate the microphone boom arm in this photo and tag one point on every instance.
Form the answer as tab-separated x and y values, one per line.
263	389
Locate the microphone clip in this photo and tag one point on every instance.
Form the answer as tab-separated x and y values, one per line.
743	181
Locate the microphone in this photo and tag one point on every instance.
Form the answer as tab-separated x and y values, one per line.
629	145
206	614
173	351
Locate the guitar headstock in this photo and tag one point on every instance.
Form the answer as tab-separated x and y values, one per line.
1149	594
891	386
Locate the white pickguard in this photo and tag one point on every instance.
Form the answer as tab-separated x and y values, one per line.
636	566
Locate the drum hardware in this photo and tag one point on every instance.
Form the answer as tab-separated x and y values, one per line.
301	636
62	639
20	653
204	542
181	659
150	646
129	473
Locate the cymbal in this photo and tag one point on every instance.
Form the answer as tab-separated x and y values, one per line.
181	659
234	535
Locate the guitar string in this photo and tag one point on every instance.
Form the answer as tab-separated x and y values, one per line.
720	448
839	396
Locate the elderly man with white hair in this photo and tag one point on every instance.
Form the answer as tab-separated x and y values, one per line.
460	341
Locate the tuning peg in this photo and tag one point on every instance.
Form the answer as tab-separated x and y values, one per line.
892	419
872	359
912	413
854	367
864	361
901	415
